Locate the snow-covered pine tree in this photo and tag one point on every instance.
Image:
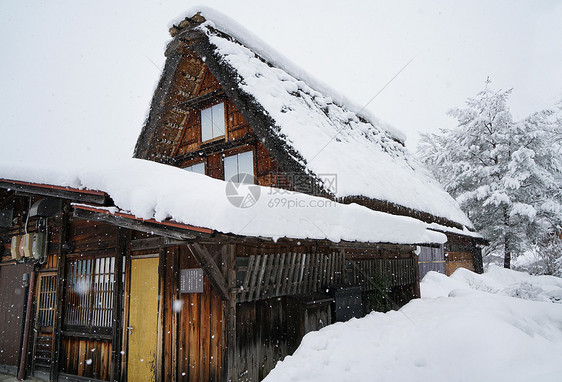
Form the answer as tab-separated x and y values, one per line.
505	174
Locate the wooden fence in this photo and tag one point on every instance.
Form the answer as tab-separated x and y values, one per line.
389	272
266	276
283	274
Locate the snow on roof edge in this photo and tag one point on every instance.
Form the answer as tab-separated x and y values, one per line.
229	26
463	232
135	185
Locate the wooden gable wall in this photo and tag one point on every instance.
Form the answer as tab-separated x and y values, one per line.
193	82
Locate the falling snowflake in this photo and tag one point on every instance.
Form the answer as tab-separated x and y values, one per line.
178	305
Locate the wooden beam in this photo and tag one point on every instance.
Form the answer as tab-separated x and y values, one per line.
215	148
28	308
209	266
160	375
125	322
116	343
230	355
202	101
74	194
154	243
137	224
59	309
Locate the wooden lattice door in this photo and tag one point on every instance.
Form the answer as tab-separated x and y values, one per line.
44	321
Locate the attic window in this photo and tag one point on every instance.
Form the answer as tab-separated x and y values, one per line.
198	168
239	168
212	122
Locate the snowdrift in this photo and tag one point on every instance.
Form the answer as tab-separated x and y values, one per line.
500	326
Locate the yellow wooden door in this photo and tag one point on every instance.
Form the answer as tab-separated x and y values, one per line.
143	313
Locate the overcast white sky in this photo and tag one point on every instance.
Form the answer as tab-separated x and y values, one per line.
77	77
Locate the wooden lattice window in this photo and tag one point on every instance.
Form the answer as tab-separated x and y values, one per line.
89	294
46	301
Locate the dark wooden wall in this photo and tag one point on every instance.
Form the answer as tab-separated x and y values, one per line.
193	80
460	253
263	338
269	330
193	324
85	357
13	297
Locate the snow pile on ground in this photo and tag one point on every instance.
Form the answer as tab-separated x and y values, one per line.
470	333
496	280
152	190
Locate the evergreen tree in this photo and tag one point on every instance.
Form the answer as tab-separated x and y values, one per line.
505	174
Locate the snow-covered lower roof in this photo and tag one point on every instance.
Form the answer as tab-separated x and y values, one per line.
325	133
150	190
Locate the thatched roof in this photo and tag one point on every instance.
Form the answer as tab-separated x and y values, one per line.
308	128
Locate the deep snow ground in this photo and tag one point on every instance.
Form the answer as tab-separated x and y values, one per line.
500	326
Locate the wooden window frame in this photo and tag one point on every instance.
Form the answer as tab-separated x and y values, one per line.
186	168
218	137
236	154
96	274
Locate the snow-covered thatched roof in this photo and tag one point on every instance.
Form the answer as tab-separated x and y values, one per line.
307	127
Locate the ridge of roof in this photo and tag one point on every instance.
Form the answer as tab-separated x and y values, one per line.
202	16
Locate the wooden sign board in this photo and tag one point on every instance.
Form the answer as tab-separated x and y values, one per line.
191	280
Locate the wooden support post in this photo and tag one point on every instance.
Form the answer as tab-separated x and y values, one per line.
117	316
417	288
230	369
59	311
174	293
28	308
125	323
162	293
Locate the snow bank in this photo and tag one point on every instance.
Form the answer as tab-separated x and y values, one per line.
152	190
470	335
496	280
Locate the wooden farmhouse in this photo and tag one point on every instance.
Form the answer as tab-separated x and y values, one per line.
260	206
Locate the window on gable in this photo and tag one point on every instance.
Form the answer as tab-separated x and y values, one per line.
212	122
198	168
237	167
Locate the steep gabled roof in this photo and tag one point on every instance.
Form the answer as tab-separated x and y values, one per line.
307	127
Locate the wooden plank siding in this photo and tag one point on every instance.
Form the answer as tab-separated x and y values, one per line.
456	260
263	338
392	272
459	254
193	325
12	310
188	122
86	357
